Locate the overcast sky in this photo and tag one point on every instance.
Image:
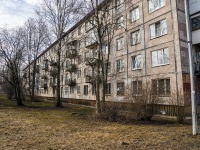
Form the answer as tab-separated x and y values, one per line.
15	12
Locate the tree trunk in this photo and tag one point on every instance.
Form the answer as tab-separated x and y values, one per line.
58	99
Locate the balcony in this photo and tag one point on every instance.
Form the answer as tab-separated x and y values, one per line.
45	59
91	60
52	84
53	72
53	63
25	75
90	79
197	68
44	86
71	53
71	68
70	82
44	76
45	68
91	44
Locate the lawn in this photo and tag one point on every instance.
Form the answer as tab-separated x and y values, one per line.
41	126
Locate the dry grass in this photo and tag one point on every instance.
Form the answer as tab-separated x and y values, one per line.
41	126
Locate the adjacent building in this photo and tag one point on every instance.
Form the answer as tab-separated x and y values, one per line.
149	48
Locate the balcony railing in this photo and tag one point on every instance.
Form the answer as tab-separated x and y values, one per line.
71	68
91	60
52	84
53	72
70	82
44	76
71	53
91	44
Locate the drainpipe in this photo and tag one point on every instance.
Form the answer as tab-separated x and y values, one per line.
192	82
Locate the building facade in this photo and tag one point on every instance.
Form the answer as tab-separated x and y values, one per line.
149	48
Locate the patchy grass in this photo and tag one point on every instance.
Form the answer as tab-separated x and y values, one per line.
39	125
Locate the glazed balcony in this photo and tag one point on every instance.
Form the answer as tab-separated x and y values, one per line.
53	72
70	82
71	53
71	68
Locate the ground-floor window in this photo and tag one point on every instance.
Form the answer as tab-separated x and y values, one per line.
78	90
108	89
161	87
136	87
71	89
85	90
120	89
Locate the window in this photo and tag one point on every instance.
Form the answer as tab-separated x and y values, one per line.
71	89
161	87
85	72
120	65
85	89
119	22
108	89
137	62
93	89
120	89
158	29
120	43
105	48
108	67
79	73
137	87
66	91
134	14
160	57
78	90
155	4
79	59
80	30
135	37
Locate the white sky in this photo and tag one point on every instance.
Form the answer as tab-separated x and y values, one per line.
14	13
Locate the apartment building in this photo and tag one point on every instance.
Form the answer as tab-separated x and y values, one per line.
149	48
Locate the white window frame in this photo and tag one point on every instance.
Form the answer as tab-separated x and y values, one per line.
119	22
160	57
134	14
135	37
158	29
78	89
154	5
120	65
136	62
120	43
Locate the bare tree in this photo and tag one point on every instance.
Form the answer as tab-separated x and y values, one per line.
59	14
103	27
12	55
37	39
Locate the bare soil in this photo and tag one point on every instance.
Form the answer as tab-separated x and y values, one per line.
40	126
